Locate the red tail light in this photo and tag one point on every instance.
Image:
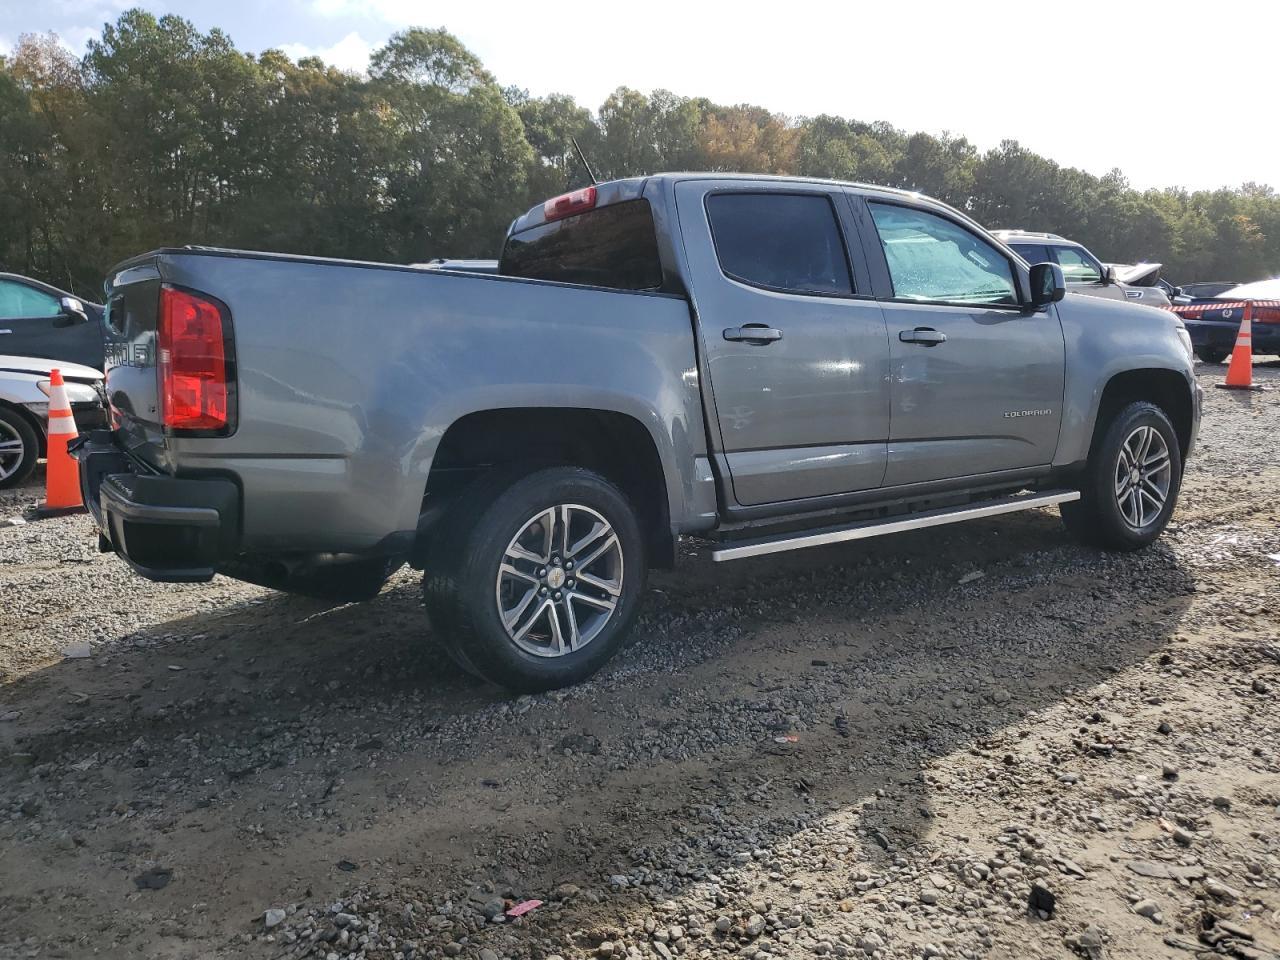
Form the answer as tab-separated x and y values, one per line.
568	204
194	369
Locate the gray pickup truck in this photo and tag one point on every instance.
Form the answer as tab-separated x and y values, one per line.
767	363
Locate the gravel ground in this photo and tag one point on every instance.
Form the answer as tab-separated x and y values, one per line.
983	741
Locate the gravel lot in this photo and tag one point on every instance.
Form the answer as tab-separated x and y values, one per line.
882	749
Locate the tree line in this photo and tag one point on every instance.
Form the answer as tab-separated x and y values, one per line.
163	135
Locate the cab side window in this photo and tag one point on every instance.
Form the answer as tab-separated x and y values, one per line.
18	301
1078	266
932	258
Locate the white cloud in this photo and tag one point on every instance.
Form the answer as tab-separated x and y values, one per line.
350	53
5	45
76	39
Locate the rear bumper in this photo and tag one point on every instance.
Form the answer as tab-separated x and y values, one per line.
169	529
1222	334
89	416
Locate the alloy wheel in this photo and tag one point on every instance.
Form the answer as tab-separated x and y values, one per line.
560	580
12	451
1143	474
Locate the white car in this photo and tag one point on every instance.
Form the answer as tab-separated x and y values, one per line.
24	409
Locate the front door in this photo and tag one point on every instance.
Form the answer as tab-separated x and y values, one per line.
977	379
793	344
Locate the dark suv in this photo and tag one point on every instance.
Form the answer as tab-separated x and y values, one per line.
37	320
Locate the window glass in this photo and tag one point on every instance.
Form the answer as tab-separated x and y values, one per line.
1077	265
612	246
18	300
783	241
932	258
1032	252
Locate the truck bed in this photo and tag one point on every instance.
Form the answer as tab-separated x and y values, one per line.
348	373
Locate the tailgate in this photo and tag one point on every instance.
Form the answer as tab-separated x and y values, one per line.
129	334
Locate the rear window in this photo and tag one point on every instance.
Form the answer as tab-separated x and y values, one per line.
612	246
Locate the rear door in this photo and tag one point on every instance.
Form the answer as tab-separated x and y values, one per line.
977	380
794	344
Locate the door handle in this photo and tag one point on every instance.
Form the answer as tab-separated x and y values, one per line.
927	336
5	331
756	333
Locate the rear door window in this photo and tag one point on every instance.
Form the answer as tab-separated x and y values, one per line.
781	241
1032	252
612	246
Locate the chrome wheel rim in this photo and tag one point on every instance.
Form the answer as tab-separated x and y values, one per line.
1144	471
560	580
11	451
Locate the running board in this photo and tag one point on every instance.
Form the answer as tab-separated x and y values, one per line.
877	528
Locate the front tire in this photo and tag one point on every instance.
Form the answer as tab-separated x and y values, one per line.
19	448
535	579
1130	486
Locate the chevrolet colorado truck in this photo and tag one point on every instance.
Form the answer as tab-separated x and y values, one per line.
768	363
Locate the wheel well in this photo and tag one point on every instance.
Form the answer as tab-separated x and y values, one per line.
32	421
1167	389
614	445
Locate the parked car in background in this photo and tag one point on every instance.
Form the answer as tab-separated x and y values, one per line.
1213	330
1084	272
1203	289
37	320
774	363
1141	282
24	410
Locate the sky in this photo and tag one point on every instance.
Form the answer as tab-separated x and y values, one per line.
1172	93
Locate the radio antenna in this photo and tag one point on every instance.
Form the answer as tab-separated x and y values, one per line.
583	157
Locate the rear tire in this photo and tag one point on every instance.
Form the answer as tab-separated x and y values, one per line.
19	448
1212	354
535	578
1130	485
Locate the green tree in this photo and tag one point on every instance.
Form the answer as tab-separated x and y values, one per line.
460	153
163	134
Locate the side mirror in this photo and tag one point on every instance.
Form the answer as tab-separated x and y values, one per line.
1048	285
72	313
1108	276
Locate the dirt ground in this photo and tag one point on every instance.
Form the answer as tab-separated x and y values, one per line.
882	749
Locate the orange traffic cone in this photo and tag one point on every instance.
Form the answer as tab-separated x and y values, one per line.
62	472
1240	372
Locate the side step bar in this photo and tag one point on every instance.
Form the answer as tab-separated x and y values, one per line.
876	528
